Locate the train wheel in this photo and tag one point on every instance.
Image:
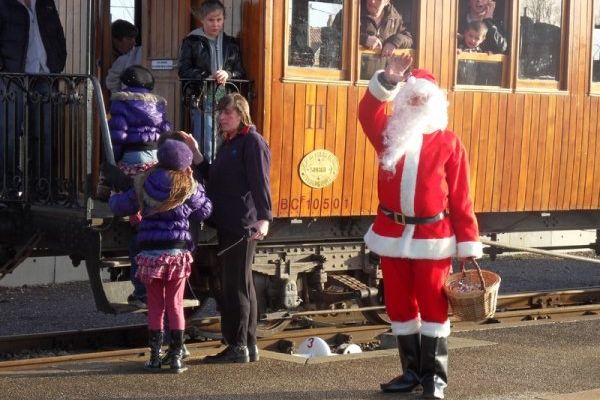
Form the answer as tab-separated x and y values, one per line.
266	328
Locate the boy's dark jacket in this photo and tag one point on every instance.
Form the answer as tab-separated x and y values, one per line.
194	58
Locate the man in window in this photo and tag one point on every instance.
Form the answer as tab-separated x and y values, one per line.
382	27
483	10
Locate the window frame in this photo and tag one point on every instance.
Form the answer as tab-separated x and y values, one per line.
312	73
594	88
510	75
542	85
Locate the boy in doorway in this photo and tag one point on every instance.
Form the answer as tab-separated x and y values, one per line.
207	53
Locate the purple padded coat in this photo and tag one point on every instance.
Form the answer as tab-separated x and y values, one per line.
167	226
137	117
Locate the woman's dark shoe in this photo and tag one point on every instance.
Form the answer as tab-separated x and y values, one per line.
253	353
231	354
166	359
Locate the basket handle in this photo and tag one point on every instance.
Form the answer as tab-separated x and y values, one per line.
481	280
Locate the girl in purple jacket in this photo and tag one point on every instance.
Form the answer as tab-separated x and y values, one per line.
168	197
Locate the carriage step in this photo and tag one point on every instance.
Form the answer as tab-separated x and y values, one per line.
116	262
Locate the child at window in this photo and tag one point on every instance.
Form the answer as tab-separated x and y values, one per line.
168	197
472	37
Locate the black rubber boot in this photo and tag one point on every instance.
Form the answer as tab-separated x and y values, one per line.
155	342
166	359
434	366
176	351
409	348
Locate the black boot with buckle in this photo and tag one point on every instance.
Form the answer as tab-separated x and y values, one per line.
231	354
409	348
434	366
176	351
155	342
166	358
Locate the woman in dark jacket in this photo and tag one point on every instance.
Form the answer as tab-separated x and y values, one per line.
238	185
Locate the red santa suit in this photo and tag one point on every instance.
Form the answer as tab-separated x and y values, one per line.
426	213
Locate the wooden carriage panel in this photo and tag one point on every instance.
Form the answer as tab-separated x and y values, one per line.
340	147
547	183
297	149
329	141
350	151
309	144
544	152
585	154
557	152
592	185
501	155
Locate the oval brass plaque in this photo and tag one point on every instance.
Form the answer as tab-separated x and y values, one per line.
319	168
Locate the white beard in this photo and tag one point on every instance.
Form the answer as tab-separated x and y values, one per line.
408	121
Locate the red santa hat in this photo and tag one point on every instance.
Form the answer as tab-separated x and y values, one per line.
422	73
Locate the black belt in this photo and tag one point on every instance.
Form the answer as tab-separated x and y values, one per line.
164	245
402	219
140	146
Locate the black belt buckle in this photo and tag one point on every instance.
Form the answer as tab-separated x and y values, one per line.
399	218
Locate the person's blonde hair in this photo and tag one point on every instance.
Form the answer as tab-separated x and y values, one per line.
238	103
183	184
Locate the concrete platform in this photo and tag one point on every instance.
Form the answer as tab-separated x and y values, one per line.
544	361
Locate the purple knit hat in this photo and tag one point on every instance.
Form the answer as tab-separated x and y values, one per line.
174	155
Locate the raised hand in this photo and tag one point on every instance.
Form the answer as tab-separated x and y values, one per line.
489	11
396	68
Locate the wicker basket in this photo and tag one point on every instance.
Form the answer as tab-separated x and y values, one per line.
477	299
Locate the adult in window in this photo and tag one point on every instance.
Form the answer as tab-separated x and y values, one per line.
382	27
483	10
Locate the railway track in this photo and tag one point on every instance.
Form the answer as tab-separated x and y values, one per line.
512	309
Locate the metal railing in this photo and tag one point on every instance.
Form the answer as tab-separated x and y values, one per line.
47	138
199	98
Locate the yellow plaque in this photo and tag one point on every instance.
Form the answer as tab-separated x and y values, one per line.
319	168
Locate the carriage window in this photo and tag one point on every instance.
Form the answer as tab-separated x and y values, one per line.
482	42
596	44
385	27
315	33
540	39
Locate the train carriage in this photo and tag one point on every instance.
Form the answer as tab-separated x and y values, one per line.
527	115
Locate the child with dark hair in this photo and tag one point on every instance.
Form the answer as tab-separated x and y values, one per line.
137	121
168	197
472	37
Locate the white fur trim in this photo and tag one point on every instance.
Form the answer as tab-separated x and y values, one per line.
435	329
409	176
407	327
130	96
379	91
470	249
407	247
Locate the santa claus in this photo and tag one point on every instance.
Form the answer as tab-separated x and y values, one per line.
425	217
